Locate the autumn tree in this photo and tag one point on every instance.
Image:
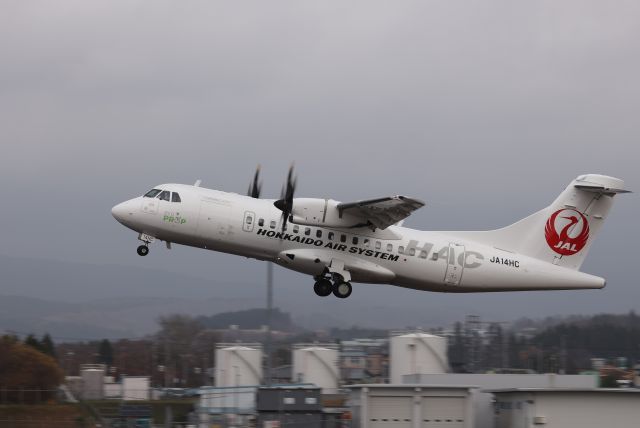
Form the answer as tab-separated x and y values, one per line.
26	374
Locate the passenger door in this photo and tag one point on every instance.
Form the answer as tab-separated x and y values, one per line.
453	274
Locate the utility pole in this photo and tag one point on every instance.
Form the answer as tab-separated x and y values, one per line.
269	312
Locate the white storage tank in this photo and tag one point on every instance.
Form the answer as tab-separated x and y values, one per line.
316	364
92	381
238	365
417	353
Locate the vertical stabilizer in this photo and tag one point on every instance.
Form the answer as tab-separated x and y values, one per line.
563	232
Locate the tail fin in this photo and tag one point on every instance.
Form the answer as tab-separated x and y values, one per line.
563	232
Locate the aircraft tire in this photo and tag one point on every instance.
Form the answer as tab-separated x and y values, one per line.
143	250
342	290
322	287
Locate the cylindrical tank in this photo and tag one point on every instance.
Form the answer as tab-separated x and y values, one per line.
238	365
317	365
92	382
417	353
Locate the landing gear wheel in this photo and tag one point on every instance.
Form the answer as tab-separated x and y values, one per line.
342	290
143	250
322	287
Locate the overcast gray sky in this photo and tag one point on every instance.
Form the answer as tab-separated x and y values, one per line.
484	109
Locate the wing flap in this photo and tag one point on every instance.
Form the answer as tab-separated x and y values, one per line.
381	213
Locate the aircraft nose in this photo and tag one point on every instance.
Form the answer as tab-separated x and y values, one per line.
118	212
122	211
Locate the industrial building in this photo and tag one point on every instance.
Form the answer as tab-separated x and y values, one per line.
411	406
483	401
293	405
422	393
364	359
561	408
92	384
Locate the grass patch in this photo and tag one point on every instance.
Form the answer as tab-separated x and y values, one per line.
43	416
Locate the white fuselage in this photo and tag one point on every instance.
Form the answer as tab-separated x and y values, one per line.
435	261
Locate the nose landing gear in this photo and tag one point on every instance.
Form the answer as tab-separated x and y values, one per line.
143	249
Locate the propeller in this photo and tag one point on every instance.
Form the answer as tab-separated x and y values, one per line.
255	187
285	203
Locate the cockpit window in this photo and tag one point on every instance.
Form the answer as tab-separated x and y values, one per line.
175	197
152	193
164	196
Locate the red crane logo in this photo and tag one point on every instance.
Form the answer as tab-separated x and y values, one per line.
572	237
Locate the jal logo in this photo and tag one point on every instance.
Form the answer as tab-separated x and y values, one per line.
567	232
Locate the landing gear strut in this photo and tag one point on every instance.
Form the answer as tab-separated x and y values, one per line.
143	250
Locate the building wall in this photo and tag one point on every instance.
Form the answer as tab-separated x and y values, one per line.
483	407
568	409
397	406
135	388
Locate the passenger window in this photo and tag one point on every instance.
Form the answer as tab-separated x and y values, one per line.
175	197
343	238
366	243
249	219
389	247
261	222
412	251
296	229
307	231
272	225
330	236
401	249
378	245
423	254
164	196
152	193
318	233
355	240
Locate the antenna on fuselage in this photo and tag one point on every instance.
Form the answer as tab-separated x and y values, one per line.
197	183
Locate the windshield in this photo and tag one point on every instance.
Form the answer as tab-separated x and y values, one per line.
152	193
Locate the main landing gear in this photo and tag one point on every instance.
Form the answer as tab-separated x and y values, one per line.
341	289
143	250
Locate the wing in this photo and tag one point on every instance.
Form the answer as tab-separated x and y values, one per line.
382	212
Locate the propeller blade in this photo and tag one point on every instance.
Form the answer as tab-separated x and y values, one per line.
255	187
285	203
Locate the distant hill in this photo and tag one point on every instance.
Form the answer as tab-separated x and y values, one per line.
249	319
82	300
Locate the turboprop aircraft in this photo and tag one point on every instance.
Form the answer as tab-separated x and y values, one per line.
363	241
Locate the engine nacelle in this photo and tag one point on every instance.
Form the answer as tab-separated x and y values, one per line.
321	212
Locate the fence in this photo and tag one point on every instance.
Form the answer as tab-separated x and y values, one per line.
27	396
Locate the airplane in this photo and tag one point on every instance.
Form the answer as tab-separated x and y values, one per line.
338	243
